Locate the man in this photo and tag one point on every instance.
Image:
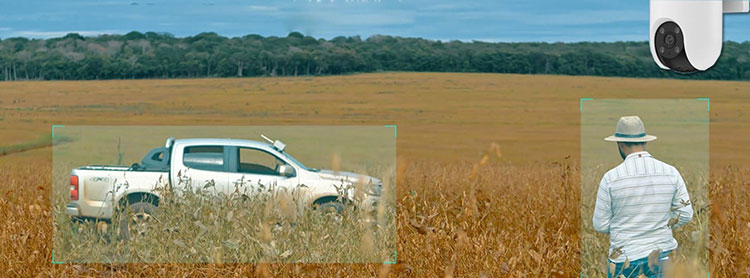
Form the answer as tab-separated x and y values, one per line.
638	204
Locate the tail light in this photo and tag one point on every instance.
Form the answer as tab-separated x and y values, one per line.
74	188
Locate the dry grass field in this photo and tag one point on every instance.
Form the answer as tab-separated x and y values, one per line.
466	207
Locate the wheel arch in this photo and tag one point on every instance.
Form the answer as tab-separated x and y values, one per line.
330	198
135	197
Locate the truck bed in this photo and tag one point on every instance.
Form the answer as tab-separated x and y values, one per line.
119	168
99	183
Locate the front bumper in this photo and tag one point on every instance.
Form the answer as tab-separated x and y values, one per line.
370	204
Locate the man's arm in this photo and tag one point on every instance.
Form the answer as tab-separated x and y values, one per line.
681	204
603	210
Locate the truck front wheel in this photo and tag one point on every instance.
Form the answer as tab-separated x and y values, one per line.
135	219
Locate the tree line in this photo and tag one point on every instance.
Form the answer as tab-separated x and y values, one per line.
138	55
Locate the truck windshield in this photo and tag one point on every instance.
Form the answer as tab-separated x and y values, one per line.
299	163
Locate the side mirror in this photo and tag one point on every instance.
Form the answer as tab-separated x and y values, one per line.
287	171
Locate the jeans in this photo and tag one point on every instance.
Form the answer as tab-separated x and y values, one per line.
640	266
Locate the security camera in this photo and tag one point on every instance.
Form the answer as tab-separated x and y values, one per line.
686	35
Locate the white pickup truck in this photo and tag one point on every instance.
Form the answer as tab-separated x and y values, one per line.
226	165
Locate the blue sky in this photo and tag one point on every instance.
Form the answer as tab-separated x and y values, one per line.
485	20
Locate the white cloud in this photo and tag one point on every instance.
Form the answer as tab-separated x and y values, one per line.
219	24
56	34
449	7
360	18
258	8
531	18
590	17
100	3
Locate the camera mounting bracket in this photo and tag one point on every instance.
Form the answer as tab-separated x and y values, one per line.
736	6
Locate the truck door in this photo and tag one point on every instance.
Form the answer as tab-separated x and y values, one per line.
256	171
202	167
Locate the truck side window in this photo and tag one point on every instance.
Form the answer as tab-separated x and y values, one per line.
158	156
210	158
257	162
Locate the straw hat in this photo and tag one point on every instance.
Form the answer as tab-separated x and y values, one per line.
630	129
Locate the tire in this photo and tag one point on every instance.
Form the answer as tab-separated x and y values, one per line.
134	220
331	207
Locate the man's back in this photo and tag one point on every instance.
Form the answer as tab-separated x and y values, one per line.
635	202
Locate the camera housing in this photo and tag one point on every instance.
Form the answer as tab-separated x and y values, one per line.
687	35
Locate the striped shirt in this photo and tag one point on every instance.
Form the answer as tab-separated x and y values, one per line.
635	202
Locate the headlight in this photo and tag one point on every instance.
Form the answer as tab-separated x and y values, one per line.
376	189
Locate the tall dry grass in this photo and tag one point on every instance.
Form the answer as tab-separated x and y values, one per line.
523	224
730	222
526	224
528	209
195	225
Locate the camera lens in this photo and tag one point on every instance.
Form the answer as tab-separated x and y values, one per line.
669	40
669	46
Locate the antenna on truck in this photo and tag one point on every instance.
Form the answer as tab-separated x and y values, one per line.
278	145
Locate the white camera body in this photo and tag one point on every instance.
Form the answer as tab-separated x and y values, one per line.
687	35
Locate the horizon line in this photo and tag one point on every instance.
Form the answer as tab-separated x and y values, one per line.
85	35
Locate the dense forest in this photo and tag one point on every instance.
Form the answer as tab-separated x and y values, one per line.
161	55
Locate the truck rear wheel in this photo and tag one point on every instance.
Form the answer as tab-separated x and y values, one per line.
331	207
135	219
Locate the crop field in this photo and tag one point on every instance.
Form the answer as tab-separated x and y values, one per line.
488	182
